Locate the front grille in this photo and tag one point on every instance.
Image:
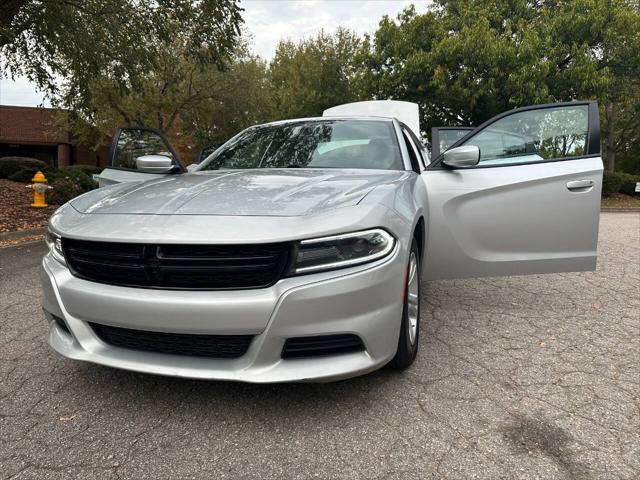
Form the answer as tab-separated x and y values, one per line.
212	346
188	267
321	345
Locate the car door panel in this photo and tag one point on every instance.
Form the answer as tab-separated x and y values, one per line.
513	220
527	217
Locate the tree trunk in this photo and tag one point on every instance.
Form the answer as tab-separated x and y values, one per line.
611	136
611	160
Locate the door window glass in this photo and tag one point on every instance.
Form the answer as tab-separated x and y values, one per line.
534	135
449	136
133	143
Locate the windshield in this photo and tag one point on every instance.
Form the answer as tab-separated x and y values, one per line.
366	144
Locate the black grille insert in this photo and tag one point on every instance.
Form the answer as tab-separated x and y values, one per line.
212	346
321	345
187	267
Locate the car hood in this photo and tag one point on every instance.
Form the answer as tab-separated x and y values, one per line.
264	192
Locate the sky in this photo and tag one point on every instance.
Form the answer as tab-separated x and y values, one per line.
268	21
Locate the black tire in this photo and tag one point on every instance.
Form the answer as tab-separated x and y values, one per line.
407	350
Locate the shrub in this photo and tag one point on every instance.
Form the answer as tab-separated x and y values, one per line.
88	169
628	185
628	162
11	165
69	183
52	173
63	190
23	175
611	183
79	177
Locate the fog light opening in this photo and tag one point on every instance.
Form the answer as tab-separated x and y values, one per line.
61	323
321	346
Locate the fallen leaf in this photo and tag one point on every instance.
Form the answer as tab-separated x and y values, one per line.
16	212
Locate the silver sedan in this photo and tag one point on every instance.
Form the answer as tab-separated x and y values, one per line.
295	251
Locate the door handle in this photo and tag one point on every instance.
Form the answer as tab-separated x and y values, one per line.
580	185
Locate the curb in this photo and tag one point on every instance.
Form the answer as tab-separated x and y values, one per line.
17	235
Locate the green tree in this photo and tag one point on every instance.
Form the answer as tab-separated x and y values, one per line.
618	58
466	61
241	96
314	74
194	104
63	45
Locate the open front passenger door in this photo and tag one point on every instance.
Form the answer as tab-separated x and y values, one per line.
139	154
530	205
442	138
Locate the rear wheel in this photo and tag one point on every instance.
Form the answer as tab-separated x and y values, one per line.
410	326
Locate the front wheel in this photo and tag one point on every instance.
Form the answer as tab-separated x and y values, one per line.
410	326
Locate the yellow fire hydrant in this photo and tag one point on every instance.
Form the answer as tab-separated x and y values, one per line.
39	185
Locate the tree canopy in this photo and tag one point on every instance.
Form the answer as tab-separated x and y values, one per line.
182	66
466	61
314	74
62	45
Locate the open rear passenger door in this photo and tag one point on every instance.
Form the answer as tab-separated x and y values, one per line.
529	202
139	154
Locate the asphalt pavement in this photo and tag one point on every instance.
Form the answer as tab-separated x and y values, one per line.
518	377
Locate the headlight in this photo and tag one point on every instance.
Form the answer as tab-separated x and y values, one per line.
339	251
54	242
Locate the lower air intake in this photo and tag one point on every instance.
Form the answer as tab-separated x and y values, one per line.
321	346
212	346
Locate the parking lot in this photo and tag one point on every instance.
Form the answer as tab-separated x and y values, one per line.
518	377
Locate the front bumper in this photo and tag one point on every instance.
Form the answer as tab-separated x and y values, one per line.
365	300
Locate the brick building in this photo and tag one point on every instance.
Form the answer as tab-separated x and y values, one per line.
28	132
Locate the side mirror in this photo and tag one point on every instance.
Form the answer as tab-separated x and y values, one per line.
154	164
462	157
